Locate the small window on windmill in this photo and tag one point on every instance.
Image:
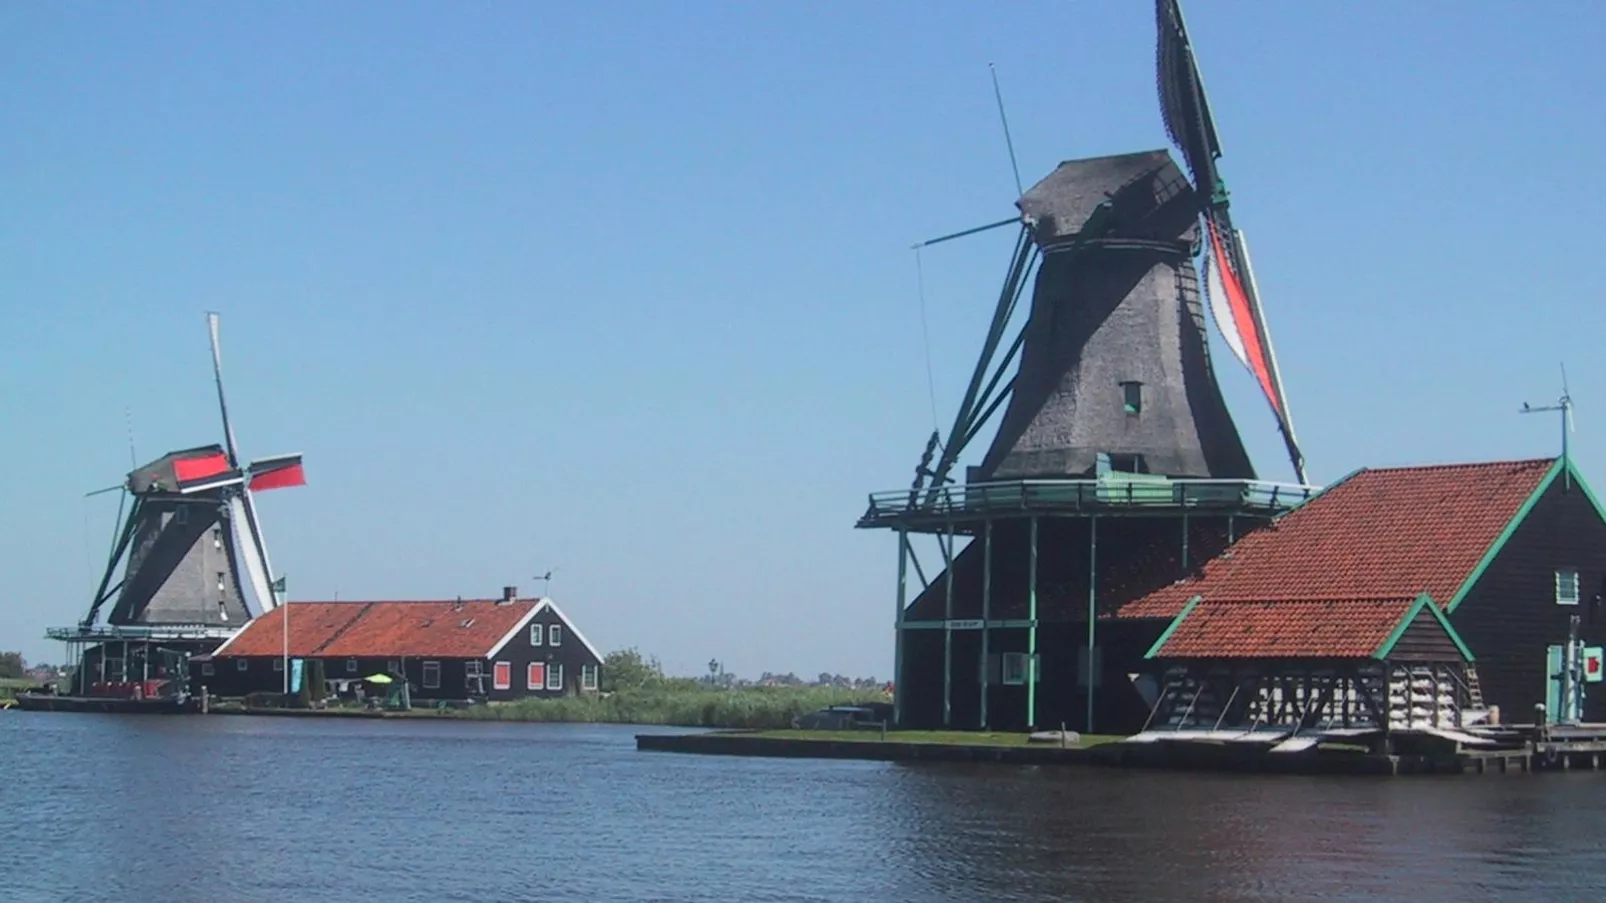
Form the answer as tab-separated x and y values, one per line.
181	515
217	537
1132	397
221	587
1567	587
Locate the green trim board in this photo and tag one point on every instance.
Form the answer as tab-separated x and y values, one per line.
1154	651
965	624
1517	520
1578	480
1422	601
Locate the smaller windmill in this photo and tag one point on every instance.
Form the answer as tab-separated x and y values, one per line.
189	565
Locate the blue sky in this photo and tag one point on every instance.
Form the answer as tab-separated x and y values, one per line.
624	289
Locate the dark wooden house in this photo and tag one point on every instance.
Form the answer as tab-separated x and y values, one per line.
1512	554
494	650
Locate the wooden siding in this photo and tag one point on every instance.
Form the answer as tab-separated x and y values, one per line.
1136	555
570	655
1425	640
1510	617
1060	697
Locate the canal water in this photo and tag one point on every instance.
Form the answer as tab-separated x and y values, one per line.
246	809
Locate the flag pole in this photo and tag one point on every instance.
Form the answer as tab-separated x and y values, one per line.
278	592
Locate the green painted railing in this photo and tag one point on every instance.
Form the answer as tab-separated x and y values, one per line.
1124	491
102	632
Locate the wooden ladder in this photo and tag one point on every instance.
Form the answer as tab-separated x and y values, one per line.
1474	689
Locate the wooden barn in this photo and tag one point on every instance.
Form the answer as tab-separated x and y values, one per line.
1440	588
1242	670
483	649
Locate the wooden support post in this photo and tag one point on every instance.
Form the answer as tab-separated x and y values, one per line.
986	608
1184	545
1092	611
897	624
948	631
1031	631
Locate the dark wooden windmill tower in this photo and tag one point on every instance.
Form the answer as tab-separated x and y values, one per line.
189	566
1116	466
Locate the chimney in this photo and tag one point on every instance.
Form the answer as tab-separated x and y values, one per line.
510	594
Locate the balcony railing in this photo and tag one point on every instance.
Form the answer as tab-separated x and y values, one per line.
1124	492
112	632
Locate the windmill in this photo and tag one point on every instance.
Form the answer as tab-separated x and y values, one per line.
1113	362
189	549
1112	435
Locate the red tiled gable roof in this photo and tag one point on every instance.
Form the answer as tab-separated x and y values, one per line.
1387	533
467	629
1263	628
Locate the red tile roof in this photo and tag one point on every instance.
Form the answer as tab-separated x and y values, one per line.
1263	628
1388	533
467	629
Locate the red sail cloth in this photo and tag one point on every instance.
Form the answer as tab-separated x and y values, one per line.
187	469
292	475
1244	320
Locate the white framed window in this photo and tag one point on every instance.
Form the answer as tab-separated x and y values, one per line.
535	634
535	679
554	676
554	635
278	664
207	670
432	675
1567	587
241	664
588	677
502	675
351	666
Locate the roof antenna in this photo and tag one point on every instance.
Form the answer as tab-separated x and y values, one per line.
1565	406
1008	142
546	583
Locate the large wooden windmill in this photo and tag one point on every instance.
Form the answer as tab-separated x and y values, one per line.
189	566
1116	465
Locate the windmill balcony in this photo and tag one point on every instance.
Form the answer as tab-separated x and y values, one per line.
1113	494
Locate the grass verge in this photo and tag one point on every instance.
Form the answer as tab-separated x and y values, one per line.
963	738
749	708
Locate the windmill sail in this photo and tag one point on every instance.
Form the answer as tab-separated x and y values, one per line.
1233	299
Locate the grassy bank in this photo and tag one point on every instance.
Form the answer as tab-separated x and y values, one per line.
752	707
966	738
10	687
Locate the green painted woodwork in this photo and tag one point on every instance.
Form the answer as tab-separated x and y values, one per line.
1154	651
